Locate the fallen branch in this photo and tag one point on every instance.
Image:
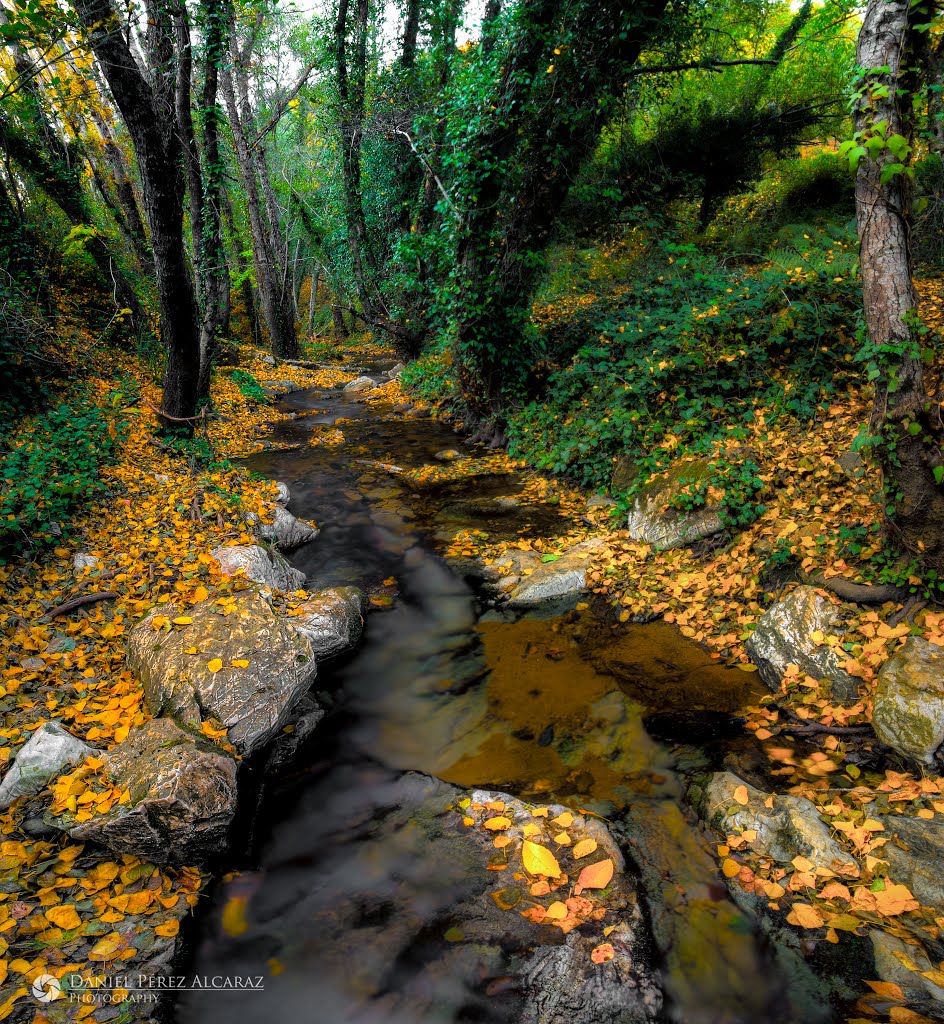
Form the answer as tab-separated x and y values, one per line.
78	602
859	593
908	610
385	466
813	728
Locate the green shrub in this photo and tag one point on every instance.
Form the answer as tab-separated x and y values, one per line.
686	356
249	387
50	466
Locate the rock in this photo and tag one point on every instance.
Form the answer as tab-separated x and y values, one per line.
403	407
886	949
332	620
419	413
560	581
447	455
915	853
600	501
83	561
625	472
267	568
282	492
33	664
790	828
253	701
784	636
43	757
396	370
360	384
653	519
183	795
379	869
908	712
286	531
711	953
269	360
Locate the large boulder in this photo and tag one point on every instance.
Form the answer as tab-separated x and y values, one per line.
282	492
908	711
260	565
556	582
785	636
332	620
915	852
360	384
183	795
790	827
889	952
287	532
382	871
653	518
44	756
240	664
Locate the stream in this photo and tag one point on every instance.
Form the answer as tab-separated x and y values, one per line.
347	908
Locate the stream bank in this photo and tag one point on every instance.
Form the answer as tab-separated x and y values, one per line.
367	892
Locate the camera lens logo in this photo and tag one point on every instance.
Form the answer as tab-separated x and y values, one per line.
46	988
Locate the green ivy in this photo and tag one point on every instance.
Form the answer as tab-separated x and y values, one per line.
51	466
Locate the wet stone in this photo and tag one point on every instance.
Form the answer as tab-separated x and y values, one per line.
392	877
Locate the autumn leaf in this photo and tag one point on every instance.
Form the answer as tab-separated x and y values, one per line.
603	953
741	796
805	916
595	876
168	928
497	824
214	665
729	867
557	911
887	989
234	919
538	860
64	917
584	848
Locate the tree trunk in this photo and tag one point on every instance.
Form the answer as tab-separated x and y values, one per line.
337	318
313	301
147	105
271	261
907	448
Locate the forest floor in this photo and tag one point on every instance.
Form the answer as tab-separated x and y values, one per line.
62	905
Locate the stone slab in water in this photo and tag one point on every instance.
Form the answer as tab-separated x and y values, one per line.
378	905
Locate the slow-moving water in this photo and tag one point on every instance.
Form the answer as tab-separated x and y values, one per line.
352	899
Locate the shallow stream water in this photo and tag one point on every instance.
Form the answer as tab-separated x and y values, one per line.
571	708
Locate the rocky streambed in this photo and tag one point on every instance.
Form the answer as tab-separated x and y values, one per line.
456	790
488	707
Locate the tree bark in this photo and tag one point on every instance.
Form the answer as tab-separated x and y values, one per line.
147	106
901	416
271	260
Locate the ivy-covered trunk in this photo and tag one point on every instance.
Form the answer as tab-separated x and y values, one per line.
565	63
147	105
908	435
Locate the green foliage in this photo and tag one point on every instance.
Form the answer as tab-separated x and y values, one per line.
685	356
50	466
740	481
249	387
929	207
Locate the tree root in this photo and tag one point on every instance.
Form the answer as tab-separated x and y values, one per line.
78	602
858	593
